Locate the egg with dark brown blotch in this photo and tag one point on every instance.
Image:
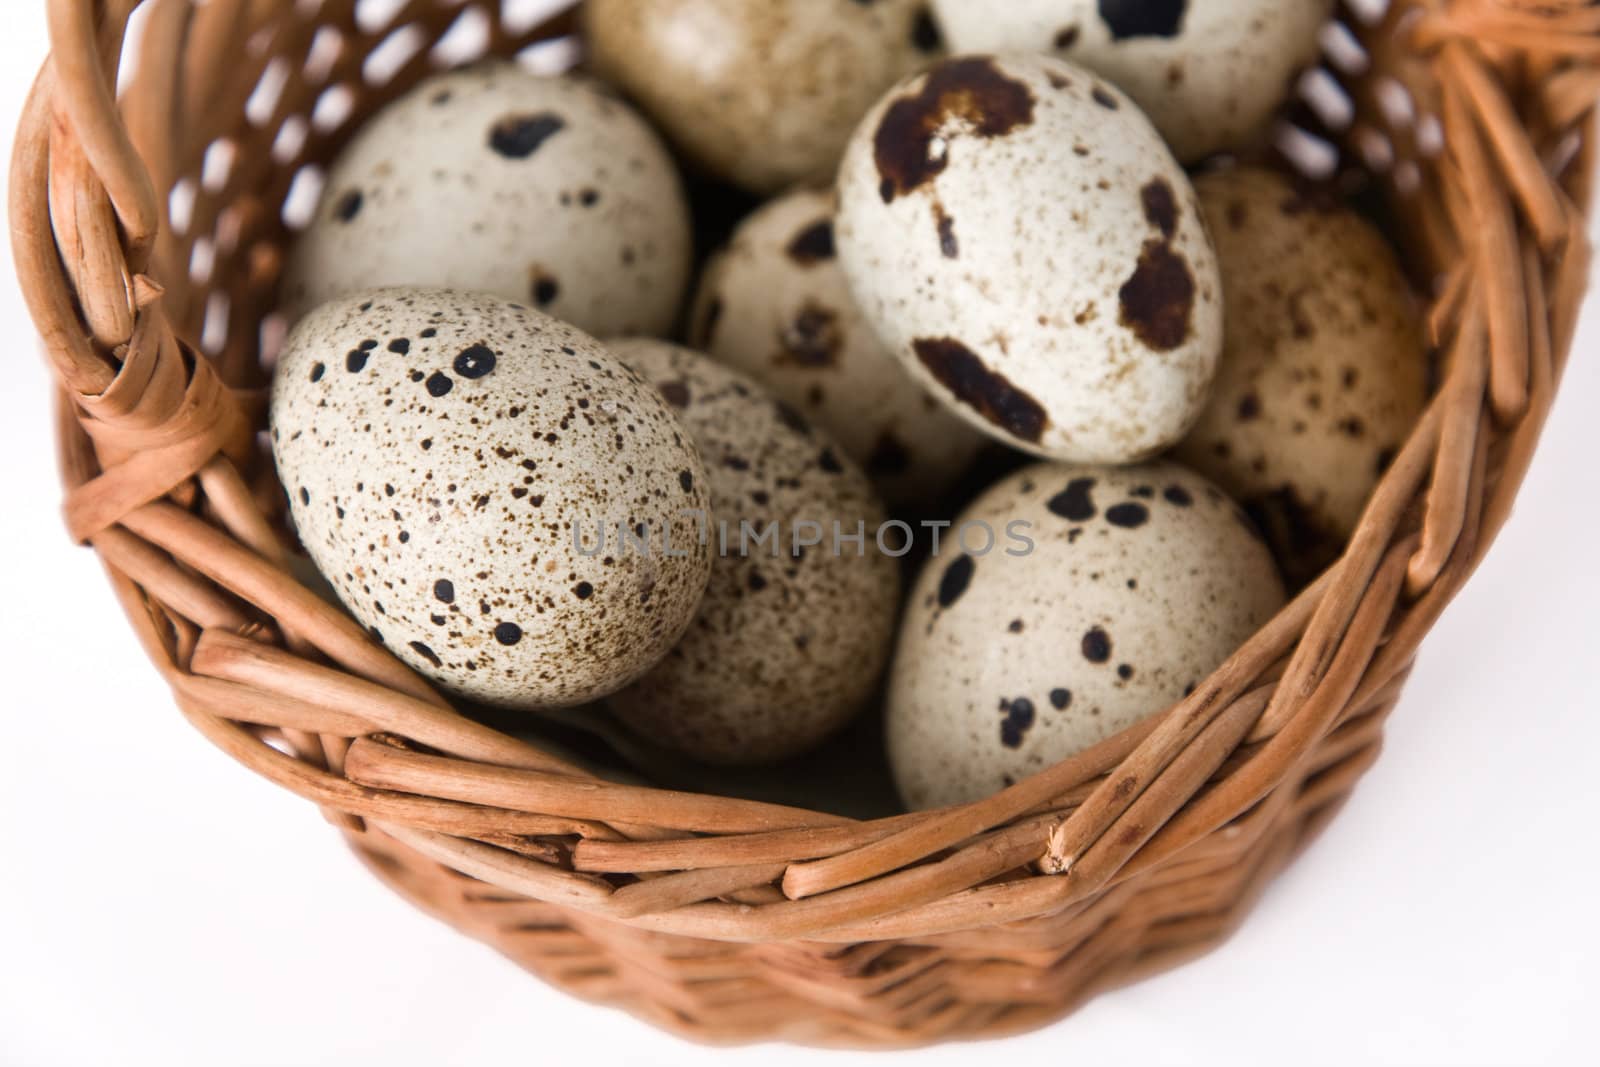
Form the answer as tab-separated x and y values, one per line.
1210	73
1019	237
759	94
1324	372
450	460
548	191
1068	604
797	622
775	305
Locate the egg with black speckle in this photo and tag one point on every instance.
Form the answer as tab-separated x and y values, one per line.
1210	73
548	191
775	305
759	94
1324	372
1080	601
460	469
1020	238
796	626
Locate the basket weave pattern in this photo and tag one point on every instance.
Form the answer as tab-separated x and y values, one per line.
149	235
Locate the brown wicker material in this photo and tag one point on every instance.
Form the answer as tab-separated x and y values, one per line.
149	234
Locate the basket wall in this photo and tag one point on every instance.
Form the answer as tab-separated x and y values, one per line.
149	238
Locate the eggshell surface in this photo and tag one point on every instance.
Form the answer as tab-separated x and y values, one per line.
791	639
1324	372
1021	239
1139	582
775	305
449	460
1210	73
548	191
759	94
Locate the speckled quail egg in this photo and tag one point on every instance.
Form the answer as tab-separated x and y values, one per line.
1210	73
759	94
791	638
1018	235
775	305
1105	595
452	461
547	191
1324	371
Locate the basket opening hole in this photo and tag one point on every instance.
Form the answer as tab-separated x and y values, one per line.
551	57
1377	151
1327	98
214	328
326	47
263	101
333	107
1369	12
1314	157
180	205
291	139
217	165
1395	101
375	15
202	260
520	16
466	40
391	56
273	330
1344	50
305	191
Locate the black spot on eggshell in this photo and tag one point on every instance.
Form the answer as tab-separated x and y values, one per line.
1074	502
426	653
544	289
675	393
519	136
444	591
987	392
474	361
812	245
686	480
1104	98
317	371
812	339
1158	300
1124	671
439	384
400	346
1178	496
1143	18
957	576
1129	516
949	244
970	91
583	590
355	360
830	462
1160	206
348	206
1060	698
1097	646
508	633
1019	720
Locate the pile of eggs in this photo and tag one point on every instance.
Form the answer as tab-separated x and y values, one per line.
980	241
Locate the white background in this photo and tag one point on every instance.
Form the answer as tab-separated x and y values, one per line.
160	905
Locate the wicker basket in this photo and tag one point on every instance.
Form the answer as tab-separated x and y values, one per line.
149	238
